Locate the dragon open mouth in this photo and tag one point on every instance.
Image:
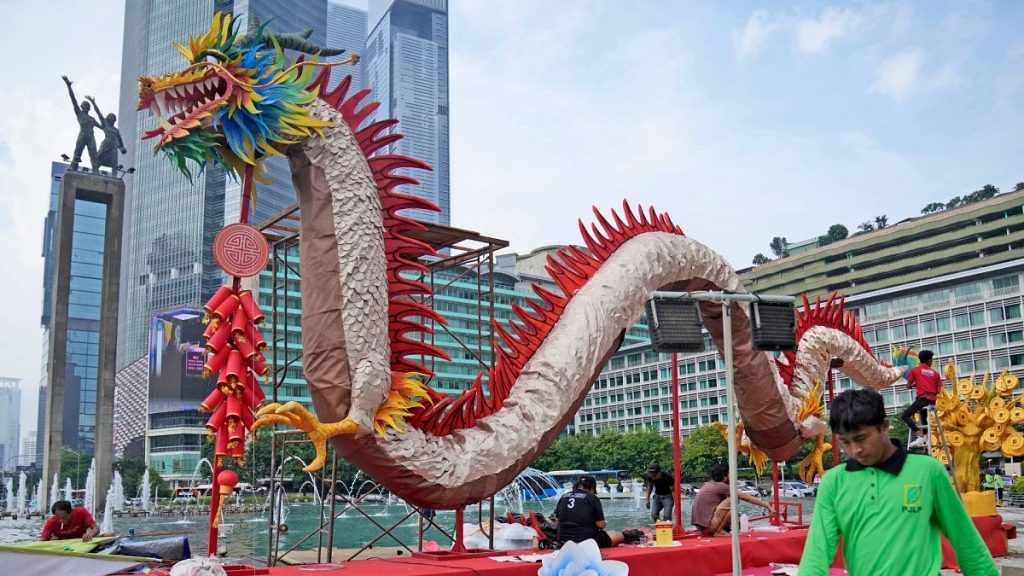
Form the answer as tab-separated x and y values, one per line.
181	107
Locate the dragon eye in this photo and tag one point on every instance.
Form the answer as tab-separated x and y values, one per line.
212	59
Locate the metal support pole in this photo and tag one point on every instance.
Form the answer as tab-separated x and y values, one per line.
775	493
458	545
737	565
677	530
334	503
831	399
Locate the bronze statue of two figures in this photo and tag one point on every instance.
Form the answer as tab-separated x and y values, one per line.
107	153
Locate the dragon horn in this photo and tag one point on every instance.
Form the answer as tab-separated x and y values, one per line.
300	44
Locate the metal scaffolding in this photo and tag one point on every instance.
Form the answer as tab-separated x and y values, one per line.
455	247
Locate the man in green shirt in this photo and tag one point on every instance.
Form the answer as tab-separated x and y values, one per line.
888	506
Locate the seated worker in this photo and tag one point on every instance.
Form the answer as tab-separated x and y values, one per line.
580	516
68	522
711	507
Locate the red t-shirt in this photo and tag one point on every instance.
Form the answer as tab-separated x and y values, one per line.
77	524
927	380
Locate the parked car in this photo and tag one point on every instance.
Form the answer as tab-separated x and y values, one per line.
751	488
687	489
795	490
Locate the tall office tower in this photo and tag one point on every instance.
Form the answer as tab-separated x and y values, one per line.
28	449
346	28
57	170
10	419
83	320
171	221
406	65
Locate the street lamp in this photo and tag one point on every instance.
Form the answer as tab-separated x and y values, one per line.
773	317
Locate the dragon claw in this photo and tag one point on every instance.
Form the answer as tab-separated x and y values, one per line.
295	415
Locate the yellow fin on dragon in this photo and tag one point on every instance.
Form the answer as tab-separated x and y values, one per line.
240	100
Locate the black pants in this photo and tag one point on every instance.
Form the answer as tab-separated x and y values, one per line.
918	406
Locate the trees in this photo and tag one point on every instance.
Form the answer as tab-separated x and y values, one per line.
836	232
630	451
866	226
778	247
881	221
760	259
1018	187
132	470
933	207
701	449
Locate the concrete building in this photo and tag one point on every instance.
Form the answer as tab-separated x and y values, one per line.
131	403
27	457
10	421
83	321
949	282
406	66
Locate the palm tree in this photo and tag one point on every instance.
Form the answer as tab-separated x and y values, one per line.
866	227
881	221
1018	187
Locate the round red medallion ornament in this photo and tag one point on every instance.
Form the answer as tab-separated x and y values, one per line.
240	250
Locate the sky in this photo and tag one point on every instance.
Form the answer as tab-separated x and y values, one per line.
742	121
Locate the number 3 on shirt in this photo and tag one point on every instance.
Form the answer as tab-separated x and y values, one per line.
572	503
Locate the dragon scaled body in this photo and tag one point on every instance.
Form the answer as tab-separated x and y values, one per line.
362	316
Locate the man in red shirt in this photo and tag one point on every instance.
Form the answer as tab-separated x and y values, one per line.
68	522
928	383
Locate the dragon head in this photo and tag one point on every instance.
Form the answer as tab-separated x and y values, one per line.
235	102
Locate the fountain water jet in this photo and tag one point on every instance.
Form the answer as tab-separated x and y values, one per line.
145	491
89	499
20	500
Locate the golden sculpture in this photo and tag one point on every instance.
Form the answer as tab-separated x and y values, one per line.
977	418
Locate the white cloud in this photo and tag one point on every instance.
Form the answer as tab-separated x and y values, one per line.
748	41
897	76
815	34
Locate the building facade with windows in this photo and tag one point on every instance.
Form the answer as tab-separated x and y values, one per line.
406	66
949	282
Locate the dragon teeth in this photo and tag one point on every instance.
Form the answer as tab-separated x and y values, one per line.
161	102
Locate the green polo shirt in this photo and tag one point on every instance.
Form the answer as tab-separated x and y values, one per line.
889	517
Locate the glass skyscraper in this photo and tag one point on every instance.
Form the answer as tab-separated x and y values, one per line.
82	360
406	66
172	222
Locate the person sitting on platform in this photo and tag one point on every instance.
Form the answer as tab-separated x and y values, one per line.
884	498
581	517
927	383
711	507
68	522
661	484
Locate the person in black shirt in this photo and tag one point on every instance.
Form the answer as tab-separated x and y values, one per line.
581	517
661	483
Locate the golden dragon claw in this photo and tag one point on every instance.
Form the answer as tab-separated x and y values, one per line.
812	466
295	415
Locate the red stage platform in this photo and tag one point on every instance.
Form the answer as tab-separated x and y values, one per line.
699	556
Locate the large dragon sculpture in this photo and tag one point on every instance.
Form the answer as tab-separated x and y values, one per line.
242	100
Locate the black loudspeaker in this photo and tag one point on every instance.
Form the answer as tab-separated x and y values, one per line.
773	326
675	325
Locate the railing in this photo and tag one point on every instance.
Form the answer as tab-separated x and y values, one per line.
1006	291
